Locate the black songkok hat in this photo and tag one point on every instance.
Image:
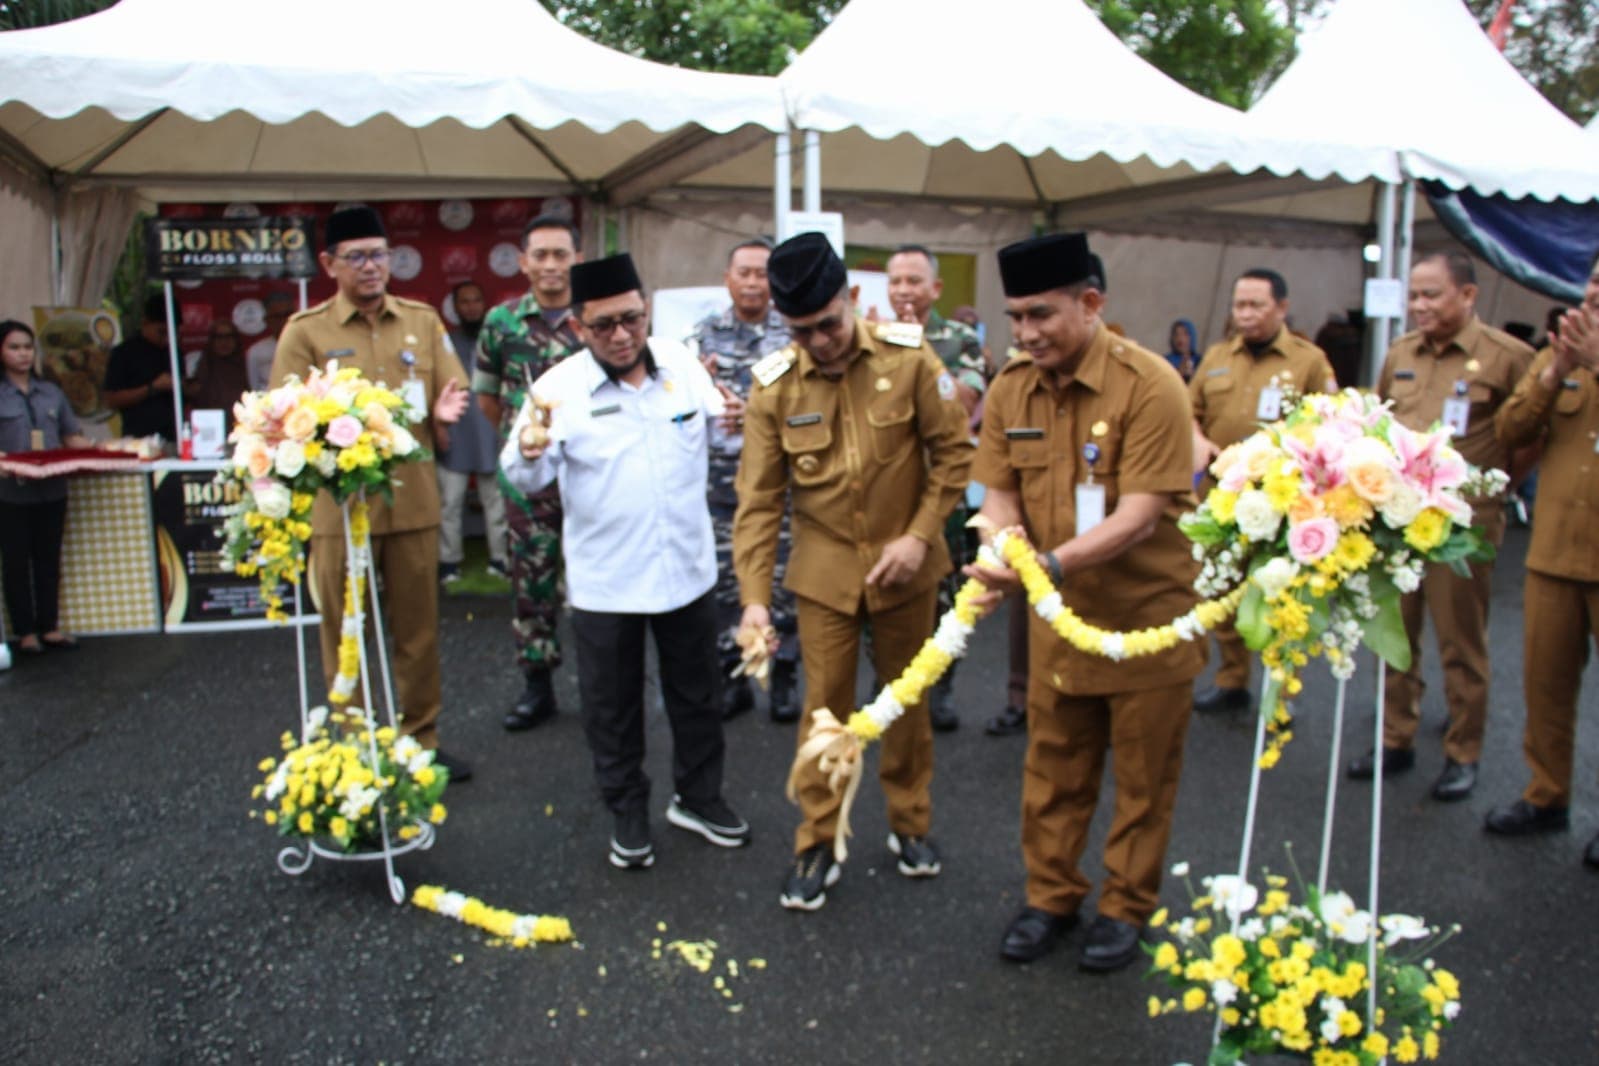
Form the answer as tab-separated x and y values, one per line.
1040	264
353	224
1099	272
599	278
805	275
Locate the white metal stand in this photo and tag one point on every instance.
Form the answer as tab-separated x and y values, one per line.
296	859
1375	856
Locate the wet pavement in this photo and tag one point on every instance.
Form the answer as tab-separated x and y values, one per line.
142	918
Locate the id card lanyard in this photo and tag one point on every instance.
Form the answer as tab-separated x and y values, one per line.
411	389
1090	496
1457	410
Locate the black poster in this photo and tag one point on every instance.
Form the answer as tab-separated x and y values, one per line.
198	586
264	246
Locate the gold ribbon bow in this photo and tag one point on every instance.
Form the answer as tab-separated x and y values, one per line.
838	754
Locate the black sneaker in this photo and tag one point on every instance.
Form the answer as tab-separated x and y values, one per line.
784	700
631	848
536	705
499	570
1010	721
737	698
941	704
712	819
813	874
917	855
460	770
449	573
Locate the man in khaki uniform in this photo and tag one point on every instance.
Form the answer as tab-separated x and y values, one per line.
1239	384
1455	369
1086	442
1557	403
402	344
860	427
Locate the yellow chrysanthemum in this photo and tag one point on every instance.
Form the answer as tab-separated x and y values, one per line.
1427	530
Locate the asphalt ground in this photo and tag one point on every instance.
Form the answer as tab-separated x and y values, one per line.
142	918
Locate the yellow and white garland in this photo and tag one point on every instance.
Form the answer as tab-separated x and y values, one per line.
838	748
352	630
518	930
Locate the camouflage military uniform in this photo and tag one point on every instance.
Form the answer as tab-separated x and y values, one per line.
737	346
518	344
962	353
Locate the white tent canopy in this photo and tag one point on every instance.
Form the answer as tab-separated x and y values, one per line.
1419	77
245	93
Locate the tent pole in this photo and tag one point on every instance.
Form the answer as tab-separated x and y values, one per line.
813	170
1406	235
1381	332
782	184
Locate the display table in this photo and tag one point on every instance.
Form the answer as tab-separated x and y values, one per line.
141	552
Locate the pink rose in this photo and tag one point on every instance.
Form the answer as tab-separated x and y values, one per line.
1309	541
344	431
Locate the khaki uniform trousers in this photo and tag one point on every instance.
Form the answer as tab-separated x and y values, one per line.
1562	617
829	650
1458	607
1066	741
409	563
1233	672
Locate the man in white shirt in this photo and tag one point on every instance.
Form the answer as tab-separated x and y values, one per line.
628	440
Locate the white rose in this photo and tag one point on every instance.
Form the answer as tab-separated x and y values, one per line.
290	458
1256	517
403	442
326	462
1275	576
1401	509
272	499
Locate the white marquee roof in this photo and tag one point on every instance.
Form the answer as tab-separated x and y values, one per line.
356	89
1421	78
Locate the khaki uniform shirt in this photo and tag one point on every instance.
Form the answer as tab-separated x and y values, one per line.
334	329
1486	363
865	458
1130	403
1226	386
1565	536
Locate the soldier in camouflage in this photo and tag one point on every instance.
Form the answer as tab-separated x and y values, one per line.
729	343
519	342
913	287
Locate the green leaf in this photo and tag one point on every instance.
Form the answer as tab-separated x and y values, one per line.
1202	529
1252	619
1384	633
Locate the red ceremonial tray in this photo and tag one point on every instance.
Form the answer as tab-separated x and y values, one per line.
54	462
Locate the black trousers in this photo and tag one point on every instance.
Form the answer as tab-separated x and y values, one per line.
30	553
610	679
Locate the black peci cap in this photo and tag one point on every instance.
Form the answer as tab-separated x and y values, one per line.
805	275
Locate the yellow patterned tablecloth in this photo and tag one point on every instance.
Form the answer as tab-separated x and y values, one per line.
108	571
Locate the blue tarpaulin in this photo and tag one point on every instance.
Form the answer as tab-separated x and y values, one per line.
1547	246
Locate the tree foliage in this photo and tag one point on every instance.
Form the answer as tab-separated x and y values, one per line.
732	36
28	14
1223	49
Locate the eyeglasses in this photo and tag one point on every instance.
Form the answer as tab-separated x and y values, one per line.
606	326
361	259
830	324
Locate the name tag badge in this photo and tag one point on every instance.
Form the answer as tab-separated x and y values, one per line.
1404	375
339	353
1025	433
608	409
1457	414
1090	506
811	419
1217	372
36	440
1270	407
415	397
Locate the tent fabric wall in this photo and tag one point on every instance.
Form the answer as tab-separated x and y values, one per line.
25	213
94	229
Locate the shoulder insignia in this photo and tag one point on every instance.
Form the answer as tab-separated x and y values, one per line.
773	366
1016	359
901	334
314	309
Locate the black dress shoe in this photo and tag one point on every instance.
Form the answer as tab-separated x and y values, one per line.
1213	700
535	706
1032	934
941	703
1395	761
783	698
460	769
737	698
1110	945
1456	782
1009	722
1520	818
1590	854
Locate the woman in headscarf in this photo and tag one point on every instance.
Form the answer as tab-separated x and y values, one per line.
1183	348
